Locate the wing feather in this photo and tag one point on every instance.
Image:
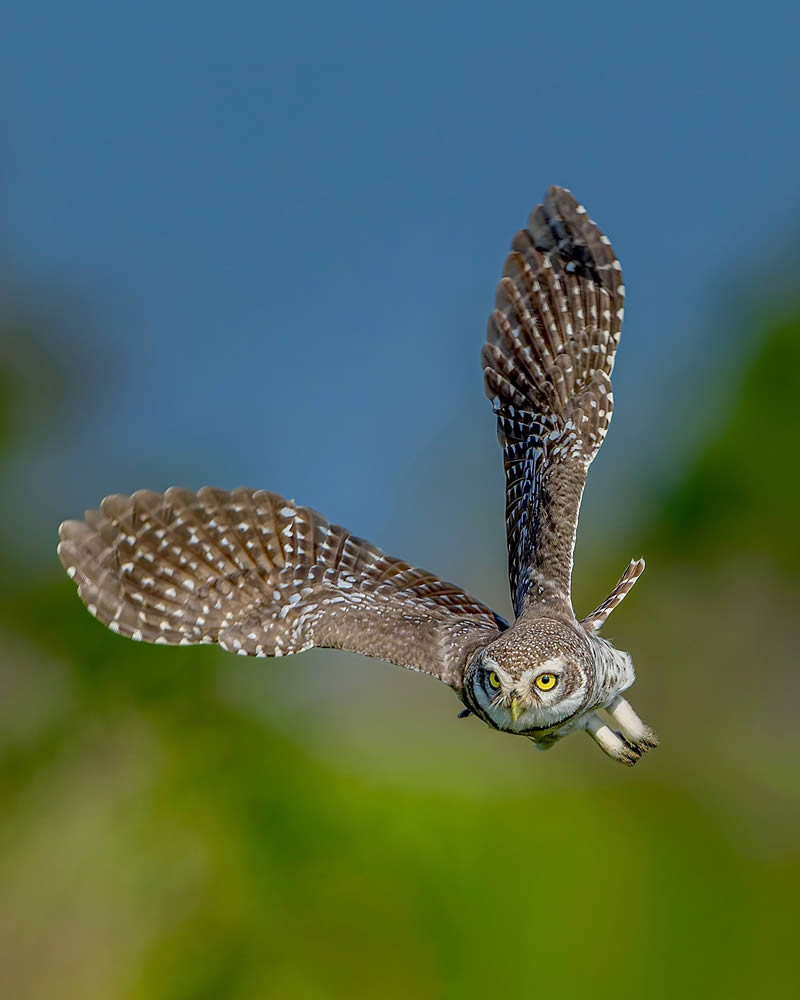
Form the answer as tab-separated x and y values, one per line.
547	362
261	576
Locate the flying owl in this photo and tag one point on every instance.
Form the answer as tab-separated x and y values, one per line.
260	576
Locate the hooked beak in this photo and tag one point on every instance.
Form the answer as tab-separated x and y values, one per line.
516	708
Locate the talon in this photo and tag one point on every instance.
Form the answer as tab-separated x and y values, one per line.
633	729
614	744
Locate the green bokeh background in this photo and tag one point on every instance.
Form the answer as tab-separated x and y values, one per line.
181	824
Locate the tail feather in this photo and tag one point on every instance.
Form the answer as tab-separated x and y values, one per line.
595	621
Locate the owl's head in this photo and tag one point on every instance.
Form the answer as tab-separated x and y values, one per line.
536	676
545	678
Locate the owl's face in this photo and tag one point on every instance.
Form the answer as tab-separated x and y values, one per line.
541	696
538	675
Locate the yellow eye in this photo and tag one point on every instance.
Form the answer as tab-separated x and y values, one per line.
494	680
546	682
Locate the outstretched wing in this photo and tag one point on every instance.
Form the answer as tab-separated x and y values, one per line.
547	369
261	576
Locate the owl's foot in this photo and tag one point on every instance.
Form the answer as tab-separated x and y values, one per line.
614	744
634	730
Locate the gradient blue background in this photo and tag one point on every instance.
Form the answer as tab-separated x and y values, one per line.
257	245
281	227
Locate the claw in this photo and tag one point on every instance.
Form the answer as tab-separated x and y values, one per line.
636	732
614	744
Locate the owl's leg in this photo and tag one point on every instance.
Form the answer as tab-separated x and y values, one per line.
612	743
636	731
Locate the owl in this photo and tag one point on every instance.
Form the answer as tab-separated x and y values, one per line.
258	575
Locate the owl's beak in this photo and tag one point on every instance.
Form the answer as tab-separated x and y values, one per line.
516	708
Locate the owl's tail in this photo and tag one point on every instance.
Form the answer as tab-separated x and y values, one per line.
554	332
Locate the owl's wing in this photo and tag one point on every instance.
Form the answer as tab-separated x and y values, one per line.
261	576
547	369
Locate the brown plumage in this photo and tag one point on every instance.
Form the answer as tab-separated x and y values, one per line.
260	576
547	369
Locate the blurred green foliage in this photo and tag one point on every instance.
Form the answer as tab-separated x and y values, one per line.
166	832
740	496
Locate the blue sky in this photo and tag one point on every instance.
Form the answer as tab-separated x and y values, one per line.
284	227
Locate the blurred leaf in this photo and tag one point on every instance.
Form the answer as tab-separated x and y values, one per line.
740	495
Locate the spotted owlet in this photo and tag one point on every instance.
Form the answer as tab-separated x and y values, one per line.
261	576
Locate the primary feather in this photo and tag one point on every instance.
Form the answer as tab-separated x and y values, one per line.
261	576
547	369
